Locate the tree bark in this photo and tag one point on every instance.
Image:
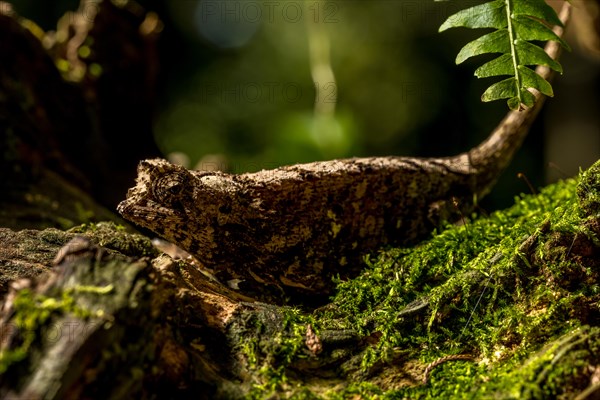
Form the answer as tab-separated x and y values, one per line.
85	125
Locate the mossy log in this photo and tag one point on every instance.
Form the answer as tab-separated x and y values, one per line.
113	318
101	324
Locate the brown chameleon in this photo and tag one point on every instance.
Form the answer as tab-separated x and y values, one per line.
296	227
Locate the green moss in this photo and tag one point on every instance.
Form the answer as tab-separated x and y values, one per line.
115	237
271	341
588	191
516	290
31	313
460	268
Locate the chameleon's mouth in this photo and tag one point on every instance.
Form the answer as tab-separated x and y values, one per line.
129	209
149	213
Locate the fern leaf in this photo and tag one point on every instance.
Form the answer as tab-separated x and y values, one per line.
517	23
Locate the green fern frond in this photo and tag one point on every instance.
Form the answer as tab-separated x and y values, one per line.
516	24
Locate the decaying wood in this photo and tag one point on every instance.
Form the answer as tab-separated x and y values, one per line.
100	324
294	228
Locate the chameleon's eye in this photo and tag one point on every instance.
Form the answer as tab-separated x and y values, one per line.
170	189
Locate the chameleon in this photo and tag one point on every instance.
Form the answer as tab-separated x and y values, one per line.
296	227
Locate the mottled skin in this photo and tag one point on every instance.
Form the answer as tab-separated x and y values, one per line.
301	225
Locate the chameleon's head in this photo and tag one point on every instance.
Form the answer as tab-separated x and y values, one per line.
162	196
180	205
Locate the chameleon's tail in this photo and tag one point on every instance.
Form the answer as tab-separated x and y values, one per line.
495	153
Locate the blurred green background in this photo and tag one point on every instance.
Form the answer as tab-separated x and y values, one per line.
237	88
